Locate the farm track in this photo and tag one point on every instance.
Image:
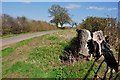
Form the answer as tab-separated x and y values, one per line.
8	41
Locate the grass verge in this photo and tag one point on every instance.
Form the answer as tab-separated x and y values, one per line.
12	35
9	50
43	59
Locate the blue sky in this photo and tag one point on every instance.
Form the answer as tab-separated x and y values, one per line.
77	10
59	0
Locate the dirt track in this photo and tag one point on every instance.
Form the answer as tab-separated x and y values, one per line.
7	41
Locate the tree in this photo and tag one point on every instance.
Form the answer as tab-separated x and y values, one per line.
7	24
22	24
60	15
55	20
73	23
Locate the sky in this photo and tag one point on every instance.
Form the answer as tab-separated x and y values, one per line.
60	0
77	10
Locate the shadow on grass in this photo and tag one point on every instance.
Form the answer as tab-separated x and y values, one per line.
71	52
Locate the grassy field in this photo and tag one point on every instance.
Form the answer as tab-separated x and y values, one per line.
39	58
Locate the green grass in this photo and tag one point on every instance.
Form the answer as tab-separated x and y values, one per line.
9	50
43	60
53	38
24	69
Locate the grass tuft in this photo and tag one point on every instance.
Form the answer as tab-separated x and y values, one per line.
52	38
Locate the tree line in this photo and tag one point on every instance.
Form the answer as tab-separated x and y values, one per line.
98	23
60	16
11	25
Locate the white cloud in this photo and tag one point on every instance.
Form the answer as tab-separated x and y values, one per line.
72	6
101	8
